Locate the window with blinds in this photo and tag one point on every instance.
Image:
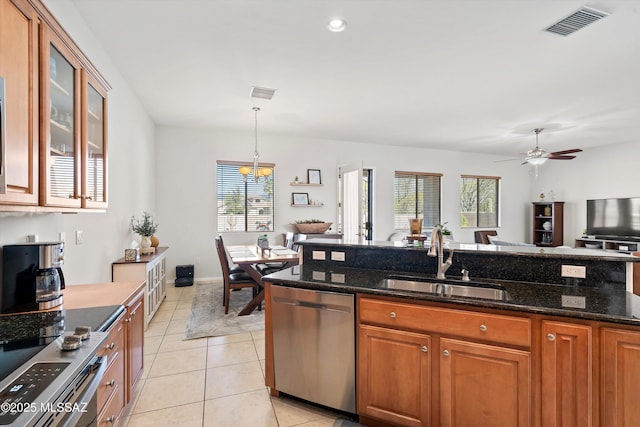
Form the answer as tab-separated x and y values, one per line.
244	205
479	201
416	195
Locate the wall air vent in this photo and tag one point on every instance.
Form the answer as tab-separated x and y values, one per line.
577	20
262	92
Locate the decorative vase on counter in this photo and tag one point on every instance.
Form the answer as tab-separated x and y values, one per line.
154	242
415	226
145	242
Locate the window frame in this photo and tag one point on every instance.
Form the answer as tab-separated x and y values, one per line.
498	184
416	213
244	190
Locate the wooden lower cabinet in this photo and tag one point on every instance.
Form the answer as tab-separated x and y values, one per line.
394	376
567	379
484	385
111	391
135	343
620	378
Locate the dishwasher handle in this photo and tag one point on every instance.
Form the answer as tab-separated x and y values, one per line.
312	305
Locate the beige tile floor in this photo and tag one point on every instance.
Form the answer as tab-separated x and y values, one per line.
216	381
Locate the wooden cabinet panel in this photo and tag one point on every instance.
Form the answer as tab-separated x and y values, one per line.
114	377
482	326
483	385
19	103
394	376
620	378
566	357
135	343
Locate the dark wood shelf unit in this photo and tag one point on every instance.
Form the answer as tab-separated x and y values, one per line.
552	212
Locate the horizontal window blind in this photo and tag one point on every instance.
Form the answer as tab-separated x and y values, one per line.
416	195
244	205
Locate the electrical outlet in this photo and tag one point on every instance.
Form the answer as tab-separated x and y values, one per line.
337	256
572	301
33	238
79	237
319	255
577	271
197	260
62	236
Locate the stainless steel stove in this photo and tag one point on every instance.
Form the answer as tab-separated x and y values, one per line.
44	381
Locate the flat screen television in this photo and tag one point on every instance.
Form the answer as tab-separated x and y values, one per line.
614	218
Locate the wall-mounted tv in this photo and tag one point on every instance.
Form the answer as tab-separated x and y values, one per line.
614	218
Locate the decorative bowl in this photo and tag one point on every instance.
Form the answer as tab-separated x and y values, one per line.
313	228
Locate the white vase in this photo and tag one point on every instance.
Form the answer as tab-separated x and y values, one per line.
145	242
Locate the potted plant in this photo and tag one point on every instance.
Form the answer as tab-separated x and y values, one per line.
444	229
312	226
145	227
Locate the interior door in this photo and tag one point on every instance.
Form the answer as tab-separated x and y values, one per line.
351	202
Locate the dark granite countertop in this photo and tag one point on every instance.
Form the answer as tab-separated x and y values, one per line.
518	251
603	302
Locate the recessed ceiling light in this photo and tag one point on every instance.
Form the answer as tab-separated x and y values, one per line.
337	25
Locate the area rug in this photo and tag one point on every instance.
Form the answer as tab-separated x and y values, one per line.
207	313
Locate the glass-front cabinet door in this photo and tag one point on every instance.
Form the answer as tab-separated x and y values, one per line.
94	144
61	172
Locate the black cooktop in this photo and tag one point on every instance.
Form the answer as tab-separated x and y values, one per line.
22	335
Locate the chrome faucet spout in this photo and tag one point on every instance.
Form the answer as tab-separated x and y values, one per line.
436	249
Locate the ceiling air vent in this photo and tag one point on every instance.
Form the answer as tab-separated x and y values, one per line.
577	20
262	92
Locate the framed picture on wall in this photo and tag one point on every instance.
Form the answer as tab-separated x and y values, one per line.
299	199
313	176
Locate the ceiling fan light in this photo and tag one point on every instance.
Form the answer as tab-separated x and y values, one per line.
337	25
537	161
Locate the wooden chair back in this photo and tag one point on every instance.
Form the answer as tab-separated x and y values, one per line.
482	236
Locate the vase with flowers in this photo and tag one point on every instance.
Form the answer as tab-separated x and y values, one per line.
145	227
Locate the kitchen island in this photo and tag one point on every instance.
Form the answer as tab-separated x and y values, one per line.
551	350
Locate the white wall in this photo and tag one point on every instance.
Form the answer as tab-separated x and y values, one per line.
130	175
186	186
606	172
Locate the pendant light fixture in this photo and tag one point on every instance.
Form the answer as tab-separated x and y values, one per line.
255	169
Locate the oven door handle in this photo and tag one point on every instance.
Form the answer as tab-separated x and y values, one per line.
97	368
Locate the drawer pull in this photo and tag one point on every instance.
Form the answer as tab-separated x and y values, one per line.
551	337
446	353
424	349
483	328
128	319
110	383
111	419
110	346
392	314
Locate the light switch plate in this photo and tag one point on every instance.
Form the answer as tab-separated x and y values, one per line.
572	301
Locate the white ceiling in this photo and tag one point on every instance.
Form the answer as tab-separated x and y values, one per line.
476	75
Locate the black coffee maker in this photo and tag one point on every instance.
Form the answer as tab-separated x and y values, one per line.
32	277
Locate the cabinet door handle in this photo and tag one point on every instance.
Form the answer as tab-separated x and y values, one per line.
551	337
424	349
392	314
446	353
483	328
128	319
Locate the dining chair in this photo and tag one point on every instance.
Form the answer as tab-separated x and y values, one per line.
272	267
231	280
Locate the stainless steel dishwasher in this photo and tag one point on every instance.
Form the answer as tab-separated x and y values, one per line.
314	346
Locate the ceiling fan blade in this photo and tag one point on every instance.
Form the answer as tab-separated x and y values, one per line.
575	150
505	160
561	157
524	163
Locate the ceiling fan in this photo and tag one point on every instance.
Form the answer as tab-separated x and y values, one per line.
538	156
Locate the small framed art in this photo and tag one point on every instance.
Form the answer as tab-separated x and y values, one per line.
313	176
299	199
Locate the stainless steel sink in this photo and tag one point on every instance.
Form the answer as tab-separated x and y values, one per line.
435	287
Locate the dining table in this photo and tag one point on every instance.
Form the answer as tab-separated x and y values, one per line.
248	257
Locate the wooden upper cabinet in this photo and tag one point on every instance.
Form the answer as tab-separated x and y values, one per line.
19	103
60	151
94	143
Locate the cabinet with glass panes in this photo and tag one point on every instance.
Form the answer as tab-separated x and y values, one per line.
73	133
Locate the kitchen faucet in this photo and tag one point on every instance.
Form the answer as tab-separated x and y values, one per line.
436	249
